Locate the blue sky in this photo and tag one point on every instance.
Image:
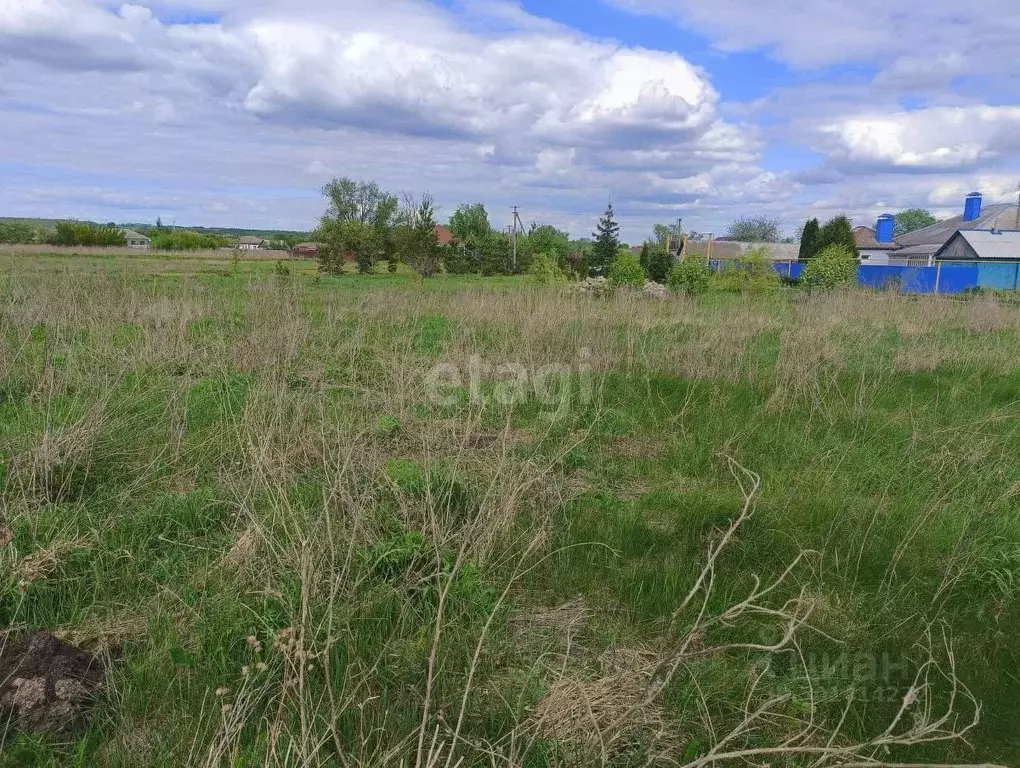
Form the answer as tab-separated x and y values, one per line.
235	112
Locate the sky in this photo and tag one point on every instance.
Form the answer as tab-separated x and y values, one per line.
236	112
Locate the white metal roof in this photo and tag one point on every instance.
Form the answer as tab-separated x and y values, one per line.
993	244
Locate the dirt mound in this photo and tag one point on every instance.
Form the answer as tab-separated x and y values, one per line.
47	684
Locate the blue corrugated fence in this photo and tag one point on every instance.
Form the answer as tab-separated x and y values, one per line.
945	277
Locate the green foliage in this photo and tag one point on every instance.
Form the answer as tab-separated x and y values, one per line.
834	267
496	255
281	269
389	425
470	224
358	220
810	240
460	259
186	240
545	269
416	238
549	240
657	262
87	234
691	276
16	232
754	273
755	229
839	232
607	244
913	219
626	270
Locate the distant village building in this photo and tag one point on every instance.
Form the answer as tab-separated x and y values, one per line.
443	235
136	239
305	251
919	248
252	244
981	245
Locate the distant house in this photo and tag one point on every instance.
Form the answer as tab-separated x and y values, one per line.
305	251
869	246
136	239
981	245
727	250
444	236
918	248
252	244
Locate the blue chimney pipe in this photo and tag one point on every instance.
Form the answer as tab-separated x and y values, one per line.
885	228
972	208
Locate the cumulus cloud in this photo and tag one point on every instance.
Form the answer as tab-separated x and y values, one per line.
218	108
936	138
827	32
520	102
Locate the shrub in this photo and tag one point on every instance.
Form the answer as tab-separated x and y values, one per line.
461	260
691	276
626	270
834	267
659	263
545	269
754	274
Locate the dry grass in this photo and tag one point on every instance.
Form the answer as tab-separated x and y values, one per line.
334	570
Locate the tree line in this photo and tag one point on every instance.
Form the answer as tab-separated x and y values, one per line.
365	224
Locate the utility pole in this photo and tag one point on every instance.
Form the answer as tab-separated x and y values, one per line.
514	232
1017	223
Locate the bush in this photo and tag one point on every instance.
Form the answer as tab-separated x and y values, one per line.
834	267
754	274
461	260
626	270
545	269
186	240
691	276
86	233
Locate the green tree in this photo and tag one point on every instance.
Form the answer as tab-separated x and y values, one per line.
626	270
16	232
358	220
607	243
659	262
691	276
496	255
86	233
837	231
834	267
545	269
470	224
416	238
809	240
755	229
913	219
545	238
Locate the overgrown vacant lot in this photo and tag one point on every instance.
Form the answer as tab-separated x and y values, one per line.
776	530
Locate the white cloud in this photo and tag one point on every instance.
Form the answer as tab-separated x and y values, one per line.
493	103
935	138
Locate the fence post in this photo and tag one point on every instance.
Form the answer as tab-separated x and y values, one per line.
938	276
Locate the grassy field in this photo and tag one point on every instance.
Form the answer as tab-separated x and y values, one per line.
363	521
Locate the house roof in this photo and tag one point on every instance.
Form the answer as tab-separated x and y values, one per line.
130	234
865	239
999	216
248	240
306	245
734	249
990	244
443	235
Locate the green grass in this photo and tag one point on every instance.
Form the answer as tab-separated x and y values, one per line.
220	478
